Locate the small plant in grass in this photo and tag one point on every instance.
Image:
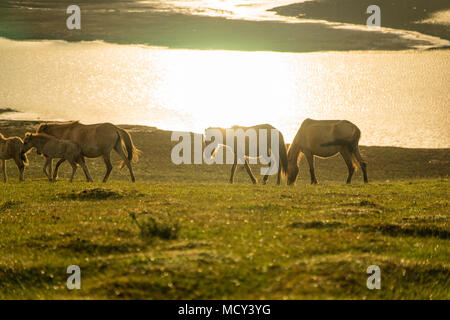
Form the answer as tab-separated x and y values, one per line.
9	204
151	228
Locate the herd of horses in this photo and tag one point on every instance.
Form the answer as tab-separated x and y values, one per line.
73	141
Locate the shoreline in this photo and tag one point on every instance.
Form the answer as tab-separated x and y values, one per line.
14	125
385	164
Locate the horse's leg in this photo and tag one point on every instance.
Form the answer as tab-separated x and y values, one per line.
5	176
20	166
266	177
85	169
47	162
310	158
361	163
50	170
107	159
74	169
55	172
119	150
348	161
249	171
233	170
279	174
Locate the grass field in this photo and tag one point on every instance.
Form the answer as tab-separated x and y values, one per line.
183	232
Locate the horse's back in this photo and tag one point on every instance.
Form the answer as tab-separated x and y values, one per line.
346	130
320	126
314	133
325	123
87	134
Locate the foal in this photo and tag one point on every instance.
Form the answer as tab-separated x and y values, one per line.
52	147
12	148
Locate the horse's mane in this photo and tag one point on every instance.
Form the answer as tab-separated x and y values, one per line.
294	149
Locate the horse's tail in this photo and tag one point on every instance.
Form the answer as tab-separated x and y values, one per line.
133	152
282	154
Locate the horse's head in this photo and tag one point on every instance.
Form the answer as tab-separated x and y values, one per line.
28	141
292	173
292	169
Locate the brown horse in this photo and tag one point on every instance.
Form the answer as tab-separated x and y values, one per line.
95	140
52	147
12	148
325	138
281	161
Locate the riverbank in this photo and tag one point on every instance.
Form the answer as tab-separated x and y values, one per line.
384	163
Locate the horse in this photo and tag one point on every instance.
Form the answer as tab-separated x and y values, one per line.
51	147
95	140
12	148
281	160
325	138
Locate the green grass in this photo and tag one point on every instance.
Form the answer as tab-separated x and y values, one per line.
215	240
184	232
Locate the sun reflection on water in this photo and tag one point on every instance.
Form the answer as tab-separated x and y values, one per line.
396	98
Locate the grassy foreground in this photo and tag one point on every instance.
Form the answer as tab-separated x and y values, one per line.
184	232
215	240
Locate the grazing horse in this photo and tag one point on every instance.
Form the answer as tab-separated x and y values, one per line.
282	153
95	140
52	147
12	148
325	138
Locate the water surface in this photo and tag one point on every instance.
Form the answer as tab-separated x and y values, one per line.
396	98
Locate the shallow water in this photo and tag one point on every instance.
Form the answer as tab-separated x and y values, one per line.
398	98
